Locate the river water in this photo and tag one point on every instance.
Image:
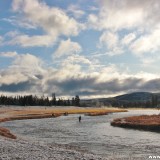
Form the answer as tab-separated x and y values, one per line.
92	135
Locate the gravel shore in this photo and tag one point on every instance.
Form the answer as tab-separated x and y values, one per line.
26	150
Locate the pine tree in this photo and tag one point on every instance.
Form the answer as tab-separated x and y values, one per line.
77	100
53	99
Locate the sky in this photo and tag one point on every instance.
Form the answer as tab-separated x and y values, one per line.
98	48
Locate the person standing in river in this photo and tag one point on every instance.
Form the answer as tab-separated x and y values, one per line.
79	118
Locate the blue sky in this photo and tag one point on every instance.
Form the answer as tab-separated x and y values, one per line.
96	48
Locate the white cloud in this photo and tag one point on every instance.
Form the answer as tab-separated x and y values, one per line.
111	41
19	22
75	11
67	47
107	73
149	60
77	59
147	43
93	21
34	14
51	19
66	71
8	54
146	48
126	14
32	41
127	39
12	78
23	67
138	20
28	63
12	34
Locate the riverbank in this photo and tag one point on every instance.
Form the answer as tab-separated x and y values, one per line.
144	122
19	113
27	150
94	135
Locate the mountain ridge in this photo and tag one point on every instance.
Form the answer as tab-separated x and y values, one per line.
129	98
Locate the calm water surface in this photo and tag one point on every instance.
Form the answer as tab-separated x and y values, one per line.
93	134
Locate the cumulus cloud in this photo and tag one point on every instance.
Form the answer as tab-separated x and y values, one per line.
20	22
75	11
25	69
8	54
77	59
32	41
145	46
24	40
51	19
110	39
29	66
67	47
112	42
126	14
139	20
9	77
37	15
127	39
147	43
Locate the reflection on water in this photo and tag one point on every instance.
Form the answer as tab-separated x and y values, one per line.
93	134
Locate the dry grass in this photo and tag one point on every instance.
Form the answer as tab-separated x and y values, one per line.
69	110
6	133
97	114
144	122
10	114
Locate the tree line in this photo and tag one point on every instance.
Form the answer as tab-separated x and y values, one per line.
30	100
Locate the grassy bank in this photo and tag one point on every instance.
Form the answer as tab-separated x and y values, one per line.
144	122
10	114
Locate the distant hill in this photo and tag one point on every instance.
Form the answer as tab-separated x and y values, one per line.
137	96
132	99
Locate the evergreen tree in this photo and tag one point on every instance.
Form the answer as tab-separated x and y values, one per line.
73	101
154	100
34	100
77	100
68	102
53	99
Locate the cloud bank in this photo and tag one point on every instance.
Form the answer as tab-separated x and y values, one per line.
29	74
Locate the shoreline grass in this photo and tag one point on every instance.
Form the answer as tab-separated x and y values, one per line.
143	122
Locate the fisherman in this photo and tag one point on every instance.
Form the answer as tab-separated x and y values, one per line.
79	118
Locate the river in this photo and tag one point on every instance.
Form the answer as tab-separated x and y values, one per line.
92	135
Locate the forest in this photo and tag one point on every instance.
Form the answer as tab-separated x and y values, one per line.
30	100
